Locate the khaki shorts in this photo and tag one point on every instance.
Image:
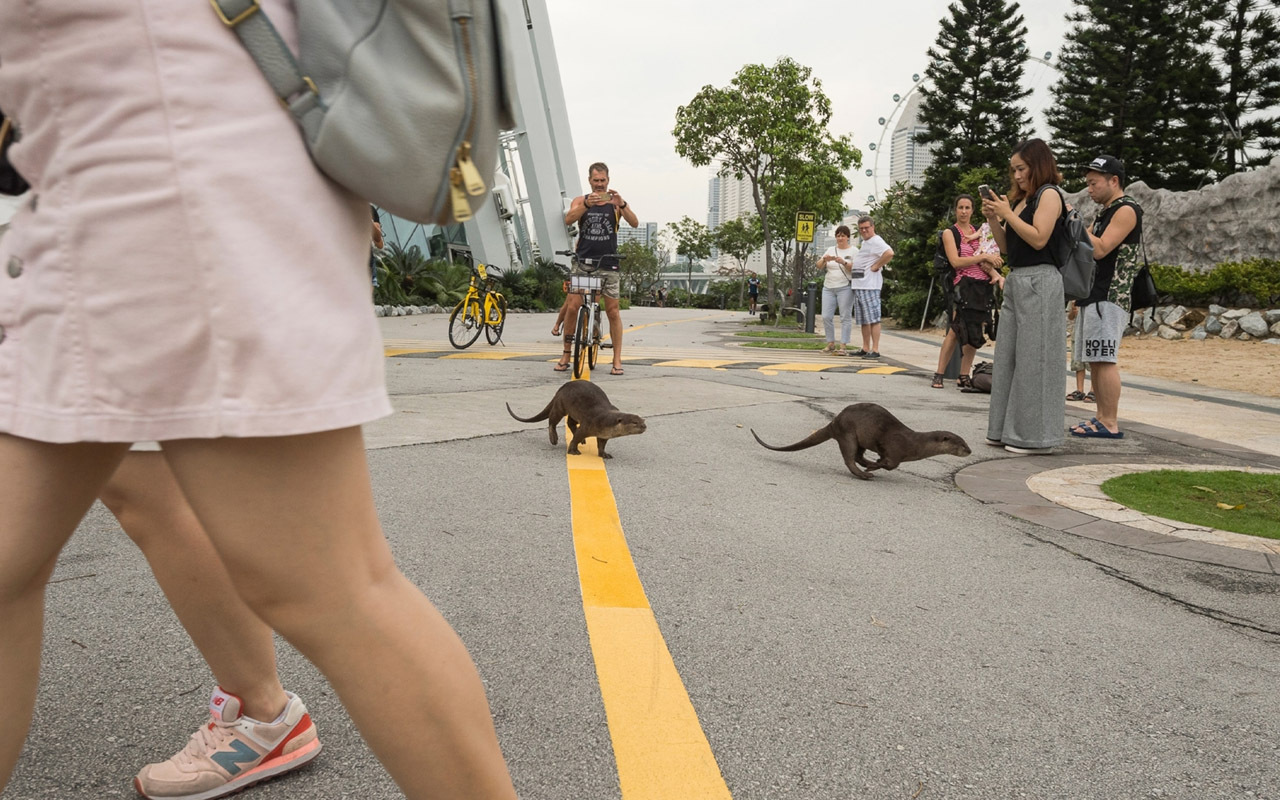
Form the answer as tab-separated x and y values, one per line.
610	284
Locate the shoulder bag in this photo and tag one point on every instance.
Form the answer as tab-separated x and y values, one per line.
400	101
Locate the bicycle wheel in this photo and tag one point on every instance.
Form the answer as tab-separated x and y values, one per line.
465	323
496	320
580	343
593	352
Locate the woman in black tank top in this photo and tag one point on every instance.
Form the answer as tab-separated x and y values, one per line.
1026	415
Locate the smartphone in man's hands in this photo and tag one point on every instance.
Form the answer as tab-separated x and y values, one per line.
986	192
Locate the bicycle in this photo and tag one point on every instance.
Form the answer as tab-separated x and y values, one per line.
479	309
586	338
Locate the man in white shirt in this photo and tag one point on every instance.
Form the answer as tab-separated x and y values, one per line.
868	277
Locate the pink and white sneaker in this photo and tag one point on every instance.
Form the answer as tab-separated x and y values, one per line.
232	752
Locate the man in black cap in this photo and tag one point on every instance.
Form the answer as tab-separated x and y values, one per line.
1103	315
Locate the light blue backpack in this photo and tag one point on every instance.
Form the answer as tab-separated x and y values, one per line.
400	101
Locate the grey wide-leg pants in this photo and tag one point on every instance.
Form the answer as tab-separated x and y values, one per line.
1031	351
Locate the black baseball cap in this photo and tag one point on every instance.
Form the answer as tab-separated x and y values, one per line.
1107	165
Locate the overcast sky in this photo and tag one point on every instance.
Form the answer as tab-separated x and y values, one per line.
627	66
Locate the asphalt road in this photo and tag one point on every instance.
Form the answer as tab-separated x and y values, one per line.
838	638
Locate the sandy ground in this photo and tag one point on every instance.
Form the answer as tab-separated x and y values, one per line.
1252	367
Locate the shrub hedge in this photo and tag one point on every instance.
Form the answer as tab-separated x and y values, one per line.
1252	283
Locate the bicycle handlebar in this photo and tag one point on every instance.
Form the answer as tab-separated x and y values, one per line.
590	262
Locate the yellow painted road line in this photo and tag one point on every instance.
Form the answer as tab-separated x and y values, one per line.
696	362
489	355
661	750
797	366
400	351
880	370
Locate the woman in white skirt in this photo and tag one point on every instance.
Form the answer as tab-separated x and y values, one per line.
174	211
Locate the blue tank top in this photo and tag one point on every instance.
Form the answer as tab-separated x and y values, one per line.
598	234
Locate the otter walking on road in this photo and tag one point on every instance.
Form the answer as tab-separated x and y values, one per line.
589	413
868	426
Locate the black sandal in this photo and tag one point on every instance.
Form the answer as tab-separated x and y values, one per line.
937	381
1076	396
964	382
559	367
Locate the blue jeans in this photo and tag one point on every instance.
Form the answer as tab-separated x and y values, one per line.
843	297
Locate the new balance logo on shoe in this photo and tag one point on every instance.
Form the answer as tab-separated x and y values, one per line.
240	753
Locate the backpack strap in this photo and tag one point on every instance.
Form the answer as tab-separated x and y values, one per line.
259	36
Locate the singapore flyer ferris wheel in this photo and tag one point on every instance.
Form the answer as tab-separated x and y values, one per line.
1037	77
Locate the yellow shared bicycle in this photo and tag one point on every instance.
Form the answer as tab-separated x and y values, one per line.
483	307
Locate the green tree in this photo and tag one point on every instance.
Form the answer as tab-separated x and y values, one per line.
973	111
692	240
1137	83
640	269
738	239
972	104
758	128
1248	51
817	186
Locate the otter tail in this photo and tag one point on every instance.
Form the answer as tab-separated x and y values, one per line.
539	417
817	437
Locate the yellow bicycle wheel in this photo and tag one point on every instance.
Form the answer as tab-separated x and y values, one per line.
465	323
496	319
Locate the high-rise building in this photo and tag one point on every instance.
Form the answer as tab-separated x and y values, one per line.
908	159
713	202
646	234
737	201
713	208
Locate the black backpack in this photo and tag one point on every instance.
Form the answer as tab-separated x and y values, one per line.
942	268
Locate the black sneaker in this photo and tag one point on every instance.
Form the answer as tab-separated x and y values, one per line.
859	352
872	354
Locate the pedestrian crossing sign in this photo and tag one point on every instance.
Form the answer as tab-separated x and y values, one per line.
805	222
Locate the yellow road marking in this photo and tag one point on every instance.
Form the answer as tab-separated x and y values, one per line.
488	355
661	750
880	370
696	362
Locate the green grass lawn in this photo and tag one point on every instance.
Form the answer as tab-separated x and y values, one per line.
788	344
778	334
1243	502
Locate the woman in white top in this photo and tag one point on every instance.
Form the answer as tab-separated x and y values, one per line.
837	291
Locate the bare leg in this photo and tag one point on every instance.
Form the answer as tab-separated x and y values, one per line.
294	521
556	329
614	312
944	355
570	322
875	337
1105	379
236	644
44	491
967	353
1080	381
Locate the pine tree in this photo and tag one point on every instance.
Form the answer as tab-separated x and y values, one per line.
1137	83
972	104
1248	50
974	113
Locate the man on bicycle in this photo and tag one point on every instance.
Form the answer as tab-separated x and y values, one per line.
597	214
